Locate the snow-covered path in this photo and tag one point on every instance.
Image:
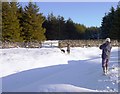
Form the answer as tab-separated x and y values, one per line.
50	70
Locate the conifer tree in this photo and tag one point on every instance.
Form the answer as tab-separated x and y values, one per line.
10	23
107	23
116	25
71	29
0	21
20	16
111	21
52	27
32	25
61	28
111	24
80	30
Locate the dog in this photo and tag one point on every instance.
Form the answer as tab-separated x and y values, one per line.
62	50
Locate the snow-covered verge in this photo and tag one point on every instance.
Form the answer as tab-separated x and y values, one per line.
50	70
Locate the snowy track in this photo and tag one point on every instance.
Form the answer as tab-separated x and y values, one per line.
50	70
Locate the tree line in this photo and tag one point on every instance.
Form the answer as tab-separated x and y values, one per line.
22	25
60	29
29	25
111	23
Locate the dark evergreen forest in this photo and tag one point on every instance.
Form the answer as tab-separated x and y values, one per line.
29	25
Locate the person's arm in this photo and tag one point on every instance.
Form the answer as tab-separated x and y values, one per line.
102	46
109	48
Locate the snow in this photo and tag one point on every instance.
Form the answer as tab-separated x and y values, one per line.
50	43
49	70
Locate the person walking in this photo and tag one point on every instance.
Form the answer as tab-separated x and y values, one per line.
106	50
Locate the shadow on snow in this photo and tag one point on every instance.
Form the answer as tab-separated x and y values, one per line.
81	73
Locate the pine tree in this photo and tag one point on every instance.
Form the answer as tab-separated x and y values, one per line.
6	34
111	24
92	33
10	23
32	25
52	25
111	21
20	17
0	21
61	28
107	23
81	30
116	25
71	29
104	27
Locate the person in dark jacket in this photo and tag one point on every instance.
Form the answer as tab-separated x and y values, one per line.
106	50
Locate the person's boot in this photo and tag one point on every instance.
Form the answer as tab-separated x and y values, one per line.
104	70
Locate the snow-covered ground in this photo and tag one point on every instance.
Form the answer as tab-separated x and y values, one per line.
50	70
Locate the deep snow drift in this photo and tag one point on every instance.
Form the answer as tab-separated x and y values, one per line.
50	70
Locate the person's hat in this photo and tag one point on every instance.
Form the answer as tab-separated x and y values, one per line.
107	40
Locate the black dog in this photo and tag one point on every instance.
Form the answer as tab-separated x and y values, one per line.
62	50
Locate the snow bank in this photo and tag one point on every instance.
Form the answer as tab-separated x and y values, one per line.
55	88
50	70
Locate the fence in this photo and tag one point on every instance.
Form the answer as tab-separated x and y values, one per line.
20	44
60	43
87	43
29	44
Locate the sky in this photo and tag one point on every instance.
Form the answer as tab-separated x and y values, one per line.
87	13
